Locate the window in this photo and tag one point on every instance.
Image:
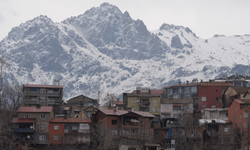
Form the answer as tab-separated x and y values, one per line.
176	108
33	98
154	109
142	133
133	108
217	99
51	99
114	142
42	90
187	89
212	114
194	89
89	114
166	106
213	107
235	108
196	132
203	106
155	101
33	89
180	91
114	132
114	122
42	137
133	100
226	129
42	116
203	98
182	132
240	116
187	96
26	116
55	137
169	143
170	92
56	127
41	127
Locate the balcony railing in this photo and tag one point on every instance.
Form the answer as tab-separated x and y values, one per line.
23	130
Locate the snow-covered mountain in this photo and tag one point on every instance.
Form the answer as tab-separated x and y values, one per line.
104	49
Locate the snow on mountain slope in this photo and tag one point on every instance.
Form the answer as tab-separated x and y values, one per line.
104	49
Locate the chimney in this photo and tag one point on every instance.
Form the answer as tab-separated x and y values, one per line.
179	82
187	82
201	81
38	106
114	108
149	91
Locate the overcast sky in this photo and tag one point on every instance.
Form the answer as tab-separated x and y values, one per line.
204	18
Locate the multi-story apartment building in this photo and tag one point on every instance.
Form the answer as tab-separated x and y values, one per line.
70	131
176	108
32	125
44	95
115	124
182	92
143	99
236	80
210	94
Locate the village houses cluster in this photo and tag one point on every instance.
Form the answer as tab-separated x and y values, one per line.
191	115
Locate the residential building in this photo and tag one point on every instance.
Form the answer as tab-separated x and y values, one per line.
115	124
174	135
210	94
177	108
32	125
237	80
82	100
44	95
82	111
182	92
218	133
70	131
143	99
217	113
232	93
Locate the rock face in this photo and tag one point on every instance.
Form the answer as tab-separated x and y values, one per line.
104	49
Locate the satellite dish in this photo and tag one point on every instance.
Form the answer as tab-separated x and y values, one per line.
28	136
31	127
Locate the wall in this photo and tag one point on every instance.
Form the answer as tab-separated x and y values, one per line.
155	105
210	93
135	105
59	132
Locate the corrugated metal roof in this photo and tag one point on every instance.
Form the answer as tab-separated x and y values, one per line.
215	84
34	109
239	101
122	112
71	120
119	102
24	120
43	86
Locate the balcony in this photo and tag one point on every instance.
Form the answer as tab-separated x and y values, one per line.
23	130
144	104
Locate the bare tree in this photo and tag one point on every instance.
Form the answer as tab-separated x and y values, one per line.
11	101
3	66
109	99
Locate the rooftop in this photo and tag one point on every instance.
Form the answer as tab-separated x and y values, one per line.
119	102
183	85
215	84
123	112
71	120
151	91
42	86
35	109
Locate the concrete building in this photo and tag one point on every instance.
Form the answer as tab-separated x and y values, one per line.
143	99
44	95
218	113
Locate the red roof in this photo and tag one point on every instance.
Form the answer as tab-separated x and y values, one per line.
24	120
122	112
66	108
76	120
242	101
119	102
43	86
215	84
151	91
34	109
